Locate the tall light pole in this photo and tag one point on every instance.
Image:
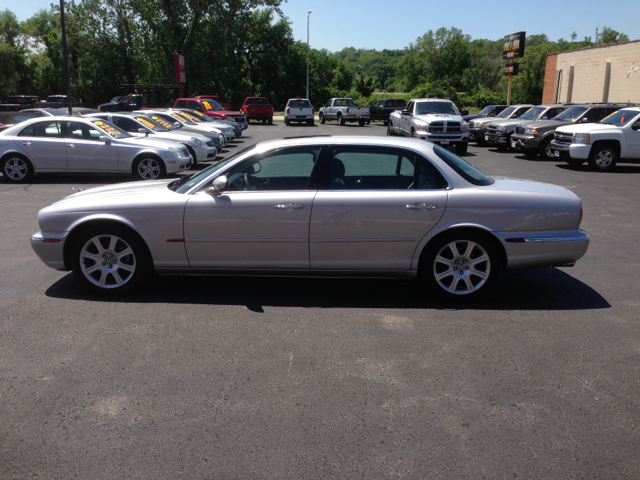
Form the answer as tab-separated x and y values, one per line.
309	13
66	57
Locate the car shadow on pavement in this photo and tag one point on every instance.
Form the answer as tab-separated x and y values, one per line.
587	169
540	289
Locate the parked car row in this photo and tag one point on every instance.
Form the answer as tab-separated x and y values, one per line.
148	144
600	134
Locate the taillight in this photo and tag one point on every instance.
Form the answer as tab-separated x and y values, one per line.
288	110
313	111
580	216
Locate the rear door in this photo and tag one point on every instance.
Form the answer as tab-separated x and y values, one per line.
44	143
377	205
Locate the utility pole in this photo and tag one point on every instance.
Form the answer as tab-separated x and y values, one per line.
308	54
66	57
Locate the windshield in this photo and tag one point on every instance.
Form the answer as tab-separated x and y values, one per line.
193	118
198	116
182	118
571	115
620	118
158	119
151	124
187	182
533	114
110	129
485	111
507	112
212	105
467	171
423	108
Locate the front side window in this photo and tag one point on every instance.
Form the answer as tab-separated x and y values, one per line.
81	131
127	124
51	129
181	104
571	114
373	168
287	169
596	114
521	111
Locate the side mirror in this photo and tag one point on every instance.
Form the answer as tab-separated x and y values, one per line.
584	120
177	124
218	185
405	112
105	139
143	130
635	126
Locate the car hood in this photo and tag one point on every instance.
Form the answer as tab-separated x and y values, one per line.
548	124
106	105
512	121
150	141
589	128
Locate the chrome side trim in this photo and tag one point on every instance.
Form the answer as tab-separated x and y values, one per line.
247	240
289	272
360	240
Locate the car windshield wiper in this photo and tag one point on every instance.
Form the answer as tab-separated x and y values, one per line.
173	186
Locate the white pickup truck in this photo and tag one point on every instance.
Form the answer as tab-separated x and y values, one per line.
436	120
602	144
344	110
299	110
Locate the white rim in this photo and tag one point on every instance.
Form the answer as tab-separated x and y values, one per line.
462	267
16	169
149	169
107	261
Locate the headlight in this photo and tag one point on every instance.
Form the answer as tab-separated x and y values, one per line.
422	127
500	129
531	131
581	138
197	141
477	124
465	126
174	152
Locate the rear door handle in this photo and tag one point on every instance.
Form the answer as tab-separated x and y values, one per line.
288	206
72	145
421	206
26	143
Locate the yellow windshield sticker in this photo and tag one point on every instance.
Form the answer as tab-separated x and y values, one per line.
146	122
162	122
107	128
207	105
97	123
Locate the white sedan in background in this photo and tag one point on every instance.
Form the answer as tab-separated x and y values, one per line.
86	145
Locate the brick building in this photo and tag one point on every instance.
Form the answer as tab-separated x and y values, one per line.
604	73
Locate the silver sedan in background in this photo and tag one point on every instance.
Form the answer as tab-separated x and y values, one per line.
323	206
88	145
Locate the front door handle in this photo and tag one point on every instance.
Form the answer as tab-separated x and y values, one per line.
288	206
72	145
26	143
421	206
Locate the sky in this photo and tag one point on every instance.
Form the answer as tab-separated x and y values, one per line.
393	24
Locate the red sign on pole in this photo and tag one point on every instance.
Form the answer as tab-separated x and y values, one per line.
180	72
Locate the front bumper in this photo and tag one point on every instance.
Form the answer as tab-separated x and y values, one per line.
525	142
560	150
177	164
497	139
442	139
548	249
50	248
477	134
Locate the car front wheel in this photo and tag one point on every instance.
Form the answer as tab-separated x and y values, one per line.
603	158
321	117
149	168
109	259
460	265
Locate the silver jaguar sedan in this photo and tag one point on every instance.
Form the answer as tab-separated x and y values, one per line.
88	145
325	206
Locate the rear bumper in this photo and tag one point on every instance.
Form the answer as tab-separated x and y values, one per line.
549	249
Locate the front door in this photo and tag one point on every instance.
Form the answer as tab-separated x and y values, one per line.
261	221
380	203
85	150
44	143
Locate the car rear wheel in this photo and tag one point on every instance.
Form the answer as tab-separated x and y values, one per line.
109	259
270	120
321	117
287	122
149	168
461	148
603	157
362	123
390	131
340	120
16	169
460	265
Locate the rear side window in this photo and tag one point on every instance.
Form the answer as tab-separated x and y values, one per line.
42	129
181	104
463	168
193	105
395	103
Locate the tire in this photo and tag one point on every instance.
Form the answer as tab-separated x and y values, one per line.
149	168
311	123
369	122
192	152
287	122
460	265
270	120
461	148
264	121
390	131
110	259
16	169
385	123
340	120
362	123
602	158
545	149
413	133
321	116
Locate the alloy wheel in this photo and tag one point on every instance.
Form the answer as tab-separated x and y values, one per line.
462	267
107	261
16	169
149	169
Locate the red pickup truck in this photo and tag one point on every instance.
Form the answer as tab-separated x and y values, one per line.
215	98
257	108
212	109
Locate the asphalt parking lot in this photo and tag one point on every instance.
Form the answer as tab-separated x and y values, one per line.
217	377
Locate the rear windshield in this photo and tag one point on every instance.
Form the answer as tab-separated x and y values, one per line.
257	101
467	171
396	103
571	114
299	103
21	100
